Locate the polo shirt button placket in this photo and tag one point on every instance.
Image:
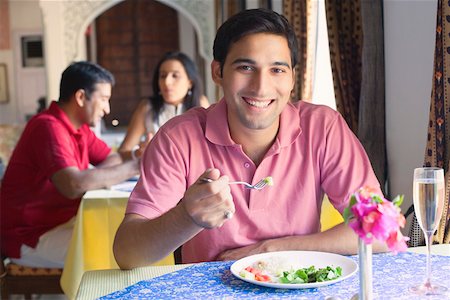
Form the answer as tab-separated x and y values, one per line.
247	165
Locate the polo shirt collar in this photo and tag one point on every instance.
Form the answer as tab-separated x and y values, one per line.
58	113
217	130
289	126
218	133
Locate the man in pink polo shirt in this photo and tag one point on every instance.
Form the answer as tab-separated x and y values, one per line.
48	172
253	132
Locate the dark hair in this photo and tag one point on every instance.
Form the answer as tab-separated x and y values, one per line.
250	22
192	100
82	75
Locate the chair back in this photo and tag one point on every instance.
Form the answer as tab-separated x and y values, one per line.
27	281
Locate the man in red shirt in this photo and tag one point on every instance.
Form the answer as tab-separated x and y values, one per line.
49	172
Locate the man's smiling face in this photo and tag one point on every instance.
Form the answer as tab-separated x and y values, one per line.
257	80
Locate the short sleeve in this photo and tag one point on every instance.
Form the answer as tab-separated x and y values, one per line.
53	147
345	166
98	150
163	178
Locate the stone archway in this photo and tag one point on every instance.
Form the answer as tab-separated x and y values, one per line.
66	21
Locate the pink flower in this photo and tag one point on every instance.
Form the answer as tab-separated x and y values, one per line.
373	217
397	242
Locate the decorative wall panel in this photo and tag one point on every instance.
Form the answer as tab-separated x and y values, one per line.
4	25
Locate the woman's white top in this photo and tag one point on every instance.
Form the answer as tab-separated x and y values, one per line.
167	112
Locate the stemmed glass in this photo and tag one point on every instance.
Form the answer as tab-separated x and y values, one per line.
428	196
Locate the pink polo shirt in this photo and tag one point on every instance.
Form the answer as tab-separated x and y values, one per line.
314	153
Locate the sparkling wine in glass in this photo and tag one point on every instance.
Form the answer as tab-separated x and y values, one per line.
428	196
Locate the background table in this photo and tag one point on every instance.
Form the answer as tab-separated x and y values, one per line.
99	283
99	215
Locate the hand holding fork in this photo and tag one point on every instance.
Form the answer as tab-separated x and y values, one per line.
204	205
257	186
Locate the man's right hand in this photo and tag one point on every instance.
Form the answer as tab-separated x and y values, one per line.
143	144
207	203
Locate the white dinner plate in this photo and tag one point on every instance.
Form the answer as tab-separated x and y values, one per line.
297	260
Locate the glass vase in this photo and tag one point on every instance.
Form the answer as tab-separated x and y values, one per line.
365	270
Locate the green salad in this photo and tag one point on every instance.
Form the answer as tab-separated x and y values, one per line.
274	270
311	274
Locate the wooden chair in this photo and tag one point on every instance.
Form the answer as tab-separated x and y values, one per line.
17	279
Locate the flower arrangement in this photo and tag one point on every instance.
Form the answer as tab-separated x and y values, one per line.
372	216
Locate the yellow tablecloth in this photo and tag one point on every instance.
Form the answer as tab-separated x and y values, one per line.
99	215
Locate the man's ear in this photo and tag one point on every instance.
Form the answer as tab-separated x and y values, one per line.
216	72
80	97
293	79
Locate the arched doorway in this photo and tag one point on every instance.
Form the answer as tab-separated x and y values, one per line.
128	39
65	24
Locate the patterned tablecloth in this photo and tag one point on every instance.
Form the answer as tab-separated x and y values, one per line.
392	275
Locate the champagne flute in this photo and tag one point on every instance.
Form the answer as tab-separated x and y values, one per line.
428	196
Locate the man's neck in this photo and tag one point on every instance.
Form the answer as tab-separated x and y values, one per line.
70	112
255	143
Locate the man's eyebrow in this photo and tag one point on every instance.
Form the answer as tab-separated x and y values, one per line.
244	60
282	63
252	62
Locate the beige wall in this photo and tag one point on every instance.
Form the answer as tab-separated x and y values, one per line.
23	16
409	46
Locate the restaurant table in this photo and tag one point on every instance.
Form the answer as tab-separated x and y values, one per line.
98	217
392	274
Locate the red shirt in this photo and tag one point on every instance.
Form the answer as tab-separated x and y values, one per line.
30	203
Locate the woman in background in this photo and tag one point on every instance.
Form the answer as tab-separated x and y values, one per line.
177	87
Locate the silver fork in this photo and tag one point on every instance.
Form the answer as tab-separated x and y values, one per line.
257	186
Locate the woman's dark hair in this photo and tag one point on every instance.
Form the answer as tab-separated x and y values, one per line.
192	99
82	75
249	22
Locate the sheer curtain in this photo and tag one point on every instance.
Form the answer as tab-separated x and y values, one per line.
437	152
357	62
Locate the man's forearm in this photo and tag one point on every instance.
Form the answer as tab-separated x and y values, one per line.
340	239
111	171
141	242
106	176
112	160
73	183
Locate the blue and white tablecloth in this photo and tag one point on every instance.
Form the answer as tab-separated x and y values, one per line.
392	276
126	186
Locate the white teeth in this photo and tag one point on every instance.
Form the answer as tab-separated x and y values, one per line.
260	104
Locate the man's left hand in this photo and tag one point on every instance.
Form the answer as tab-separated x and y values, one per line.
238	253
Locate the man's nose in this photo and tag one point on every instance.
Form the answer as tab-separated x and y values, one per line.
260	82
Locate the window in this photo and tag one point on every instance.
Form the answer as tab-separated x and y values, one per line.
323	90
32	54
